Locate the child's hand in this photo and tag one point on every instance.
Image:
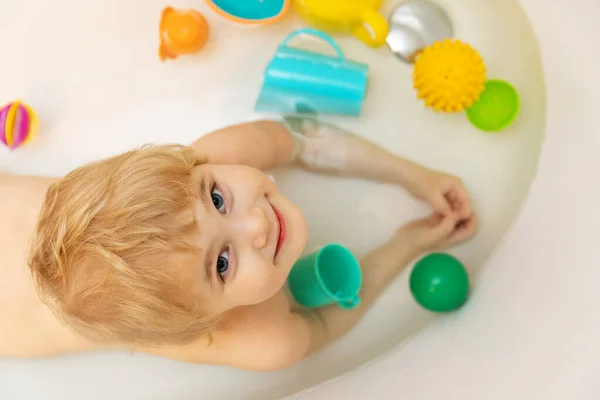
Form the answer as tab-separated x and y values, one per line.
437	232
446	193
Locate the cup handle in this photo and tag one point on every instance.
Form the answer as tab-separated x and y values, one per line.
372	29
314	32
349	304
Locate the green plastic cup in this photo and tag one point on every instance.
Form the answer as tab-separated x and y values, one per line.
328	276
497	106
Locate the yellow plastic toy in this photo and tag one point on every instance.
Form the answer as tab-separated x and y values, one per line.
449	75
181	32
360	17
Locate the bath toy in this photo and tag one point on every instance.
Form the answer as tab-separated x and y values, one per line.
359	17
439	282
181	32
251	12
449	75
415	24
302	81
497	107
331	275
18	124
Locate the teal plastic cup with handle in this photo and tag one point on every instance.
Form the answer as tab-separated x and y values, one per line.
328	276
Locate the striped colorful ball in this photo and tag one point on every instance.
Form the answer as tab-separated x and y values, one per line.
18	124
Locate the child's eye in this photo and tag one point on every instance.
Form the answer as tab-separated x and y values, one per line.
223	264
217	199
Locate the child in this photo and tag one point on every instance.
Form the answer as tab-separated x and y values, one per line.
183	252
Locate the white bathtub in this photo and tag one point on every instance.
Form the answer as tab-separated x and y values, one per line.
529	329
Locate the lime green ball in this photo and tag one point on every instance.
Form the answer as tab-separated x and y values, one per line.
439	282
496	108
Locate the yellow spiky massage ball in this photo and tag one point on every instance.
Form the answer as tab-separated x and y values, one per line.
449	75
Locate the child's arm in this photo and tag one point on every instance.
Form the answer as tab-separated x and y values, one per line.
316	146
324	148
317	328
262	144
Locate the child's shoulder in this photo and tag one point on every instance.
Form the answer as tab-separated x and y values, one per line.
261	337
250	323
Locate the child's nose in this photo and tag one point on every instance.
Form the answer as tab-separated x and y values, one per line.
256	225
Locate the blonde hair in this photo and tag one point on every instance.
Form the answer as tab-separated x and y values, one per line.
114	256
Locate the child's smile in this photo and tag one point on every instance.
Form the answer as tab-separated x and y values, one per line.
282	231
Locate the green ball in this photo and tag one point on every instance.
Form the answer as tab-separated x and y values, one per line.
439	282
496	108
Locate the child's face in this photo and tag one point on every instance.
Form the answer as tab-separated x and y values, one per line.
250	235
